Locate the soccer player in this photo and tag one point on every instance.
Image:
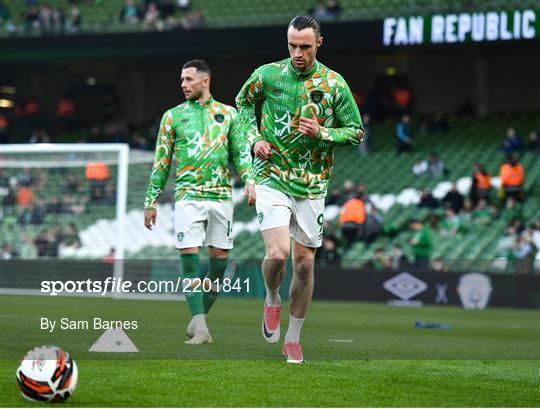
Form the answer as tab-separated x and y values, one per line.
199	134
307	109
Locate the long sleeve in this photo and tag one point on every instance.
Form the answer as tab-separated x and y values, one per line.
241	150
162	161
348	116
402	132
246	99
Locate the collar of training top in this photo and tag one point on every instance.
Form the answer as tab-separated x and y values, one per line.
303	75
206	104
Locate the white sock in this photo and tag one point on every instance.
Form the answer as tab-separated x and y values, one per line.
295	326
200	322
273	299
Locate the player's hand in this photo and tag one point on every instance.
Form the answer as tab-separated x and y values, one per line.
150	218
309	126
249	193
262	149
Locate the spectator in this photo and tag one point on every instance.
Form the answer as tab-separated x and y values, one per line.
404	135
319	11
333	8
70	185
25	178
483	214
533	144
436	166
10	199
512	142
511	211
361	192
75	18
398	259
41	242
39	211
420	167
427	200
402	98
4	127
39	136
453	199
70	236
451	223
522	253
109	197
481	184
379	261
167	9
109	258
46	22
97	173
334	198
65	113
7	252
505	243
4	13
534	237
364	146
55	206
373	224
130	12
328	252
512	177
27	249
422	243
535	234
192	20
184	5
348	190
151	18
438	265
59	20
78	206
352	219
25	197
31	19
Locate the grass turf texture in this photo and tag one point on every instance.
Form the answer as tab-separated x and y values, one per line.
488	358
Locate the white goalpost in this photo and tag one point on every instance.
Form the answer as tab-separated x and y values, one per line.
22	163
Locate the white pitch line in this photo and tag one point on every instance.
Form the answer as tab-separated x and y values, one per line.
341	340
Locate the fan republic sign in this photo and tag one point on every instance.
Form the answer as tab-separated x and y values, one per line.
461	28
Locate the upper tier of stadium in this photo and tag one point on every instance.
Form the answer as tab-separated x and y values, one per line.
103	16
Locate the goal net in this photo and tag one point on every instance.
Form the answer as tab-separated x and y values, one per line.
65	211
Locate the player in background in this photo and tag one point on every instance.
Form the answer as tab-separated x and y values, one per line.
307	109
199	134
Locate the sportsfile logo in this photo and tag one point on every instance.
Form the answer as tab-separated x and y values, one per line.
405	286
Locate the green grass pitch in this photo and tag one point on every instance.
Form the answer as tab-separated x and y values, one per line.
358	354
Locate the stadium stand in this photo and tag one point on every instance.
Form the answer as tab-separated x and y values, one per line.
391	186
102	16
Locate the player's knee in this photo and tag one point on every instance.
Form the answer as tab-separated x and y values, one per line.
303	269
277	254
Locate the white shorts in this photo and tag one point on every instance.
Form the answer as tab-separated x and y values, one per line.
304	217
203	223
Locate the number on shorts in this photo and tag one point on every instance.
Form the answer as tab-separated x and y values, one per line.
320	222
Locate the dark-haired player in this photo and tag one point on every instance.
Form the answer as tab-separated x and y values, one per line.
199	134
307	109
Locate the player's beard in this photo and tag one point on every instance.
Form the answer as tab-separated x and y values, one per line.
194	96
